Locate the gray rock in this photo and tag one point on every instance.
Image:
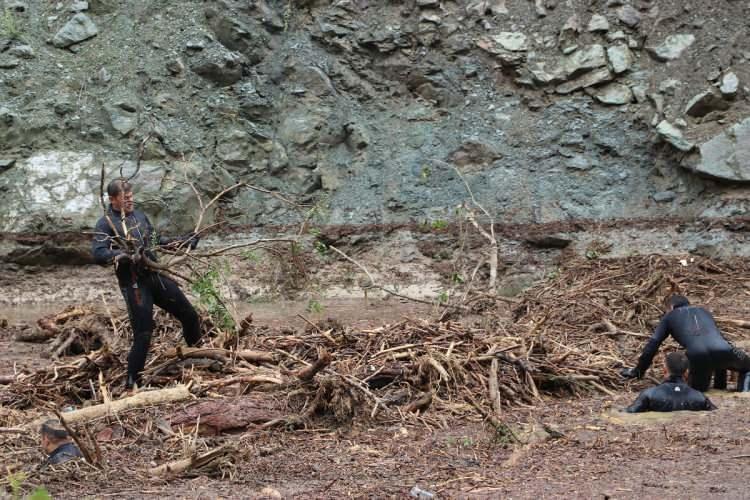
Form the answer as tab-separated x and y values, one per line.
196	45
16	6
672	47
664	196
629	16
669	86
508	47
482	7
614	93
247	39
511	41
617	36
544	72
729	85
122	120
579	162
639	92
428	3
22	51
218	65
588	58
79	6
474	153
175	66
704	103
8	62
673	136
726	155
598	23
79	28
6	164
59	190
620	58
586	80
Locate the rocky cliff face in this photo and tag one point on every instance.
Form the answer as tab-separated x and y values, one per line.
553	109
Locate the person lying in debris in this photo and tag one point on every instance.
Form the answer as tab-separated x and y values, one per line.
707	350
57	443
140	286
673	394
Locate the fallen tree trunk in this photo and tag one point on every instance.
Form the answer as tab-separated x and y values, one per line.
194	462
218	415
222	355
141	399
35	336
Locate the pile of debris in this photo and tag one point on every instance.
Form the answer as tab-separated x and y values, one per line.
569	334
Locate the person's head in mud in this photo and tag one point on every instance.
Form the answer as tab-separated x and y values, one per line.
676	365
120	195
57	443
676	301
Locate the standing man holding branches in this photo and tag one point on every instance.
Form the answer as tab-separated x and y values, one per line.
125	238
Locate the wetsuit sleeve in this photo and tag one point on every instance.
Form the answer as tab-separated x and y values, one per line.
640	405
661	333
101	245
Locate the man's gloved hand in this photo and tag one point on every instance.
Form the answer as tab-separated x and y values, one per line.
122	257
192	240
629	373
138	256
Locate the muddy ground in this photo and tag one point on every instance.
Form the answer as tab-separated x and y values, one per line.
575	446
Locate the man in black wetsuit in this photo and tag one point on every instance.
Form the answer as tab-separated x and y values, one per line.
673	394
694	329
57	444
140	286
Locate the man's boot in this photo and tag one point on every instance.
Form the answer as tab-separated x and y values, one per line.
720	379
132	382
743	382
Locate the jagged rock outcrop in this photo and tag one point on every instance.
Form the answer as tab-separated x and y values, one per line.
554	110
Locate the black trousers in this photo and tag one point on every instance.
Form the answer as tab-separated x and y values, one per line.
156	289
701	369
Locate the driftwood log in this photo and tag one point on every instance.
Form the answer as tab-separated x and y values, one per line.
148	398
195	462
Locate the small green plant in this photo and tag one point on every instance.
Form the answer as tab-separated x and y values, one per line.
443	297
16	480
320	247
467	442
9	27
425	173
553	275
40	493
439	224
251	255
207	289
592	254
315	307
457	278
296	248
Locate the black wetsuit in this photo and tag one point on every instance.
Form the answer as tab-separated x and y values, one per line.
63	453
695	329
672	395
141	287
